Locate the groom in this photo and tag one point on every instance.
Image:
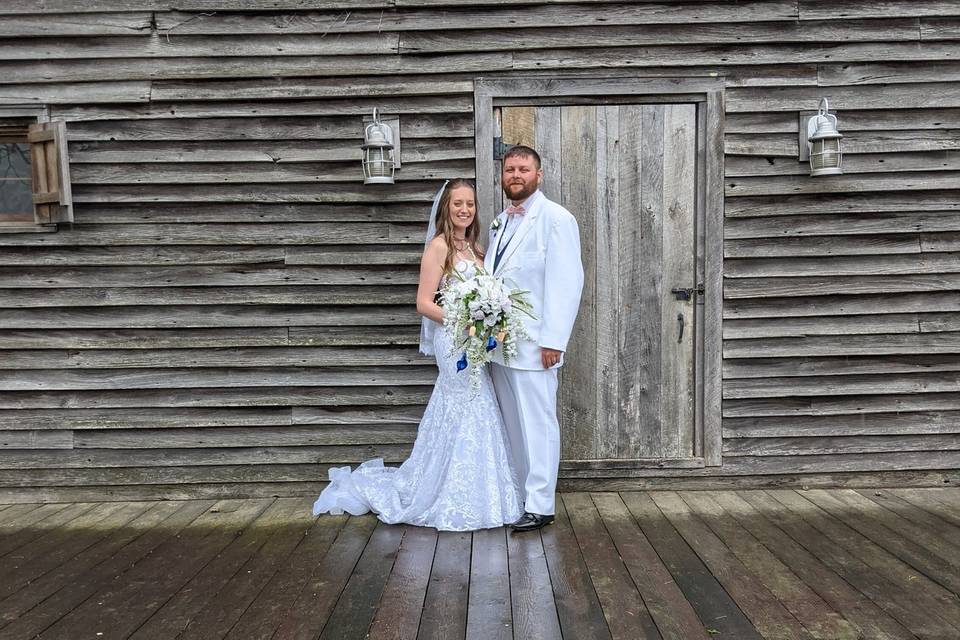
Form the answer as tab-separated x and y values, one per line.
535	246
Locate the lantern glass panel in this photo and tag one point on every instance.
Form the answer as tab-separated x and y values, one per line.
378	166
825	153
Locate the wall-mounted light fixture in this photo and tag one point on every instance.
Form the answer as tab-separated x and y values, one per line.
820	142
379	152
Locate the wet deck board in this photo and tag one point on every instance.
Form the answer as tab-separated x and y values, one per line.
827	564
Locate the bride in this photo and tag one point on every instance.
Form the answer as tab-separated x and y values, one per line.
458	476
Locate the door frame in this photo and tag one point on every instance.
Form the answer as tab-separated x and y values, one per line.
554	90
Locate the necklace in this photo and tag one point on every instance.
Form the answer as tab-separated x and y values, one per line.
467	248
460	243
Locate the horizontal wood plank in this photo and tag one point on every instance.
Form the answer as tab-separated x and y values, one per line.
155	45
918	344
465	18
865	424
615	36
196	69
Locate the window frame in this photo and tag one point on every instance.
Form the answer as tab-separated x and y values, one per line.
47	140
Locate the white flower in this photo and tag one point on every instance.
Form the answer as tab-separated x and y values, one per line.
493	308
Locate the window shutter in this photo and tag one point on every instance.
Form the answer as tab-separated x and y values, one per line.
52	200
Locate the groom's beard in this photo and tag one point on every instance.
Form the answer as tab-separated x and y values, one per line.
519	192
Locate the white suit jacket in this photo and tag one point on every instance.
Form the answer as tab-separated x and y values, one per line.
542	257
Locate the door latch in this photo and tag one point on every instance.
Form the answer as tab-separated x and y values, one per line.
686	293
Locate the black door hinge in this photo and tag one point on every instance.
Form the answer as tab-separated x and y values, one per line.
500	148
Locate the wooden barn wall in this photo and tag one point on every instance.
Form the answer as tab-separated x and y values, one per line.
232	311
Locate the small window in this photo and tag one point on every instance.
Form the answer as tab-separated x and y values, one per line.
16	190
34	175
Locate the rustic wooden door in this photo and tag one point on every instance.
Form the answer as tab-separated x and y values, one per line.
629	173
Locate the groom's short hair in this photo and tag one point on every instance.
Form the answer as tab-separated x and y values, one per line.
522	151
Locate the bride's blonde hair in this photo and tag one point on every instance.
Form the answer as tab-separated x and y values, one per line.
445	224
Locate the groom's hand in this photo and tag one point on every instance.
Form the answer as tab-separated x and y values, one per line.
549	357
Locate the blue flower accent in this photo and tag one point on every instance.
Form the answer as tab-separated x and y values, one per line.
462	362
491	343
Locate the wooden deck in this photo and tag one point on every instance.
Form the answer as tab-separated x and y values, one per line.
828	564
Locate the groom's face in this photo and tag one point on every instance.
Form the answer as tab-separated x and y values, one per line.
521	177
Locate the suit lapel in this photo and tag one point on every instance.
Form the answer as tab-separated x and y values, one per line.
525	225
494	243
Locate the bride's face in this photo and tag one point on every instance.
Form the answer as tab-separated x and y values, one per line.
462	209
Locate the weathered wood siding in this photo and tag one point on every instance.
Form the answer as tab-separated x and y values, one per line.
232	311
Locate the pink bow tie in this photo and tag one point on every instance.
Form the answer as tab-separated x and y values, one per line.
516	211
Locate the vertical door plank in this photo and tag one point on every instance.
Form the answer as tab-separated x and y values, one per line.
517	125
577	397
651	293
607	430
546	140
630	358
676	360
496	204
644	438
701	276
713	280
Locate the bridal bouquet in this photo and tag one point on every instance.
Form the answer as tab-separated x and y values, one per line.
481	313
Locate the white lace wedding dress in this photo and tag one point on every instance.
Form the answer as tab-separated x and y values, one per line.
458	477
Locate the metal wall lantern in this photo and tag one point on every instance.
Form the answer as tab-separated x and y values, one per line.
822	144
379	154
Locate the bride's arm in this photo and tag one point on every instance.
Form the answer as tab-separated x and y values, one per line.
431	270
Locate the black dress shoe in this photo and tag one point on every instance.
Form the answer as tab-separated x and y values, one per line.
531	521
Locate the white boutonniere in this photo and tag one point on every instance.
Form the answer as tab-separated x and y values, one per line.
495	224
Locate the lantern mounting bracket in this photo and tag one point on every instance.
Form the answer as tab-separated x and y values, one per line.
802	134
